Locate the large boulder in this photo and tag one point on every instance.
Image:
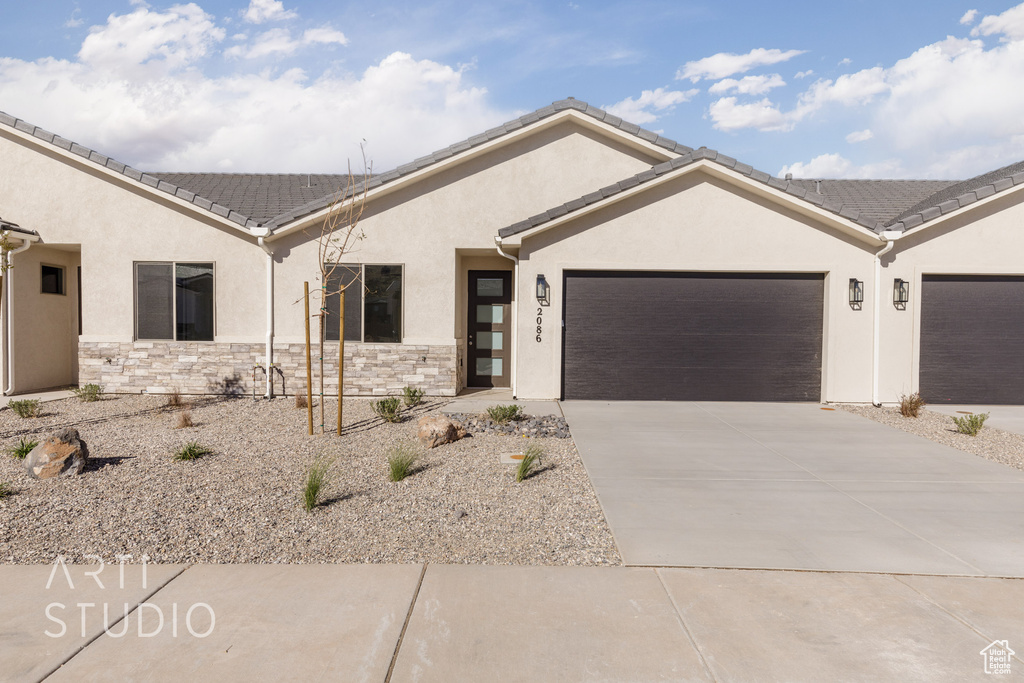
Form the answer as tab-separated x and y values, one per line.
61	454
437	430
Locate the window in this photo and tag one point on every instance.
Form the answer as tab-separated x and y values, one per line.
373	303
174	301
53	280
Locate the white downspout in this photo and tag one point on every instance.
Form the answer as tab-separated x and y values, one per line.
8	316
270	313
889	237
514	370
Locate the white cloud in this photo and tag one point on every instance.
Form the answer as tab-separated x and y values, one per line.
279	41
324	35
139	93
261	11
725	64
748	85
804	74
727	114
844	61
75	20
1010	24
837	166
968	18
650	105
859	136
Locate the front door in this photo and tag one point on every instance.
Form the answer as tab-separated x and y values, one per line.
489	330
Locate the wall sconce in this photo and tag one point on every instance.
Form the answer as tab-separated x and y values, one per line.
543	291
856	293
900	293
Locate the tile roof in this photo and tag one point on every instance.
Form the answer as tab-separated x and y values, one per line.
957	195
875	200
14	227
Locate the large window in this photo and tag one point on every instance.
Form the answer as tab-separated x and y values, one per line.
373	303
174	301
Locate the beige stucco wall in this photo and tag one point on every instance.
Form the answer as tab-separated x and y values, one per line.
981	240
428	225
699	223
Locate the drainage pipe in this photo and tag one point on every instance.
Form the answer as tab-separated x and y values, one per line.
514	370
889	237
8	315
270	314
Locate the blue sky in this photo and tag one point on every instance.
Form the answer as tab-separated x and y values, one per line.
854	89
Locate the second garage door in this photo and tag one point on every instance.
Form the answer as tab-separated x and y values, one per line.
692	336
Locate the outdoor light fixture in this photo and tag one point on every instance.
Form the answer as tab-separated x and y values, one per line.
900	293
856	293
543	290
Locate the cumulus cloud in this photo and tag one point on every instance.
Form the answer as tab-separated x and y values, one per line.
139	91
837	166
726	64
748	85
262	11
968	18
728	115
650	105
804	74
1009	24
279	41
859	136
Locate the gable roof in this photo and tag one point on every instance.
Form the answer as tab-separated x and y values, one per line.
875	200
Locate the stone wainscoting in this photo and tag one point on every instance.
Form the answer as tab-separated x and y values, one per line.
219	368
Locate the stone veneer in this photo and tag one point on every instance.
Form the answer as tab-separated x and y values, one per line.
219	368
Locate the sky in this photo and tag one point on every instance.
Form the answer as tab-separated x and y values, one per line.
853	89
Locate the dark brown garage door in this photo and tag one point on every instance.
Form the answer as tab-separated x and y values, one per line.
972	339
692	336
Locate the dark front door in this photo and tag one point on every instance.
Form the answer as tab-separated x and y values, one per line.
489	330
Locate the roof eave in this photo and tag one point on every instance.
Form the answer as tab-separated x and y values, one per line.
916	223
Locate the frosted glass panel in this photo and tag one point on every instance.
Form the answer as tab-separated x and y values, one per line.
490	340
489	367
491	313
490	287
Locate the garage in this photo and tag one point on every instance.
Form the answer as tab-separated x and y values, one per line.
692	336
972	329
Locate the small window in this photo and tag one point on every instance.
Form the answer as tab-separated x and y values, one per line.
373	303
174	301
53	280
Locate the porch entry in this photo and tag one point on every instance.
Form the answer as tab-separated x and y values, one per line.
489	328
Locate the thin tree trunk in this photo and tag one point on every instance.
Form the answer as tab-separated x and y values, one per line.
323	316
309	365
341	355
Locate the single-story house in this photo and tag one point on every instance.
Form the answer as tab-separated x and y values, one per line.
565	254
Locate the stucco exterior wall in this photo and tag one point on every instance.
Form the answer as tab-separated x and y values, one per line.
699	223
982	240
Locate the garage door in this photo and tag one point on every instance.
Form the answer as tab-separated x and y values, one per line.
972	339
692	336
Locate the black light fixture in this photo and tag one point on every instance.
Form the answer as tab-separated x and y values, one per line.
543	290
856	293
900	293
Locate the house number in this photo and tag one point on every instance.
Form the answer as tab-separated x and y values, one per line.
540	323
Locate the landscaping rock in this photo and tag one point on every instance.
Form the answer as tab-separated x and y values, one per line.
437	430
530	425
61	454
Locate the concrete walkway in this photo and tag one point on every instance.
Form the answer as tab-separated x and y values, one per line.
794	486
479	400
487	623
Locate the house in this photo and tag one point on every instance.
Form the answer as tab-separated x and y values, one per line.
566	253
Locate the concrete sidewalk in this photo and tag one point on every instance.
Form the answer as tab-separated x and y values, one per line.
499	623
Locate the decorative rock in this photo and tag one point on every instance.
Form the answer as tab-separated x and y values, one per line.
546	425
61	454
437	430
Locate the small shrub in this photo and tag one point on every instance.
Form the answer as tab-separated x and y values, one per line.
28	407
88	393
184	419
22	448
300	401
412	396
388	409
970	424
529	463
5	490
174	399
191	450
401	459
504	414
910	405
317	477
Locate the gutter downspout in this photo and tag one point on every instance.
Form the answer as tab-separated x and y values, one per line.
8	332
514	370
889	237
270	312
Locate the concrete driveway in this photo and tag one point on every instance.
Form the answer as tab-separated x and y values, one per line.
794	486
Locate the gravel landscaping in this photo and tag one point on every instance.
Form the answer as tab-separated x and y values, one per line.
244	502
992	444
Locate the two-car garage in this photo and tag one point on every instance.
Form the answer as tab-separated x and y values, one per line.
643	335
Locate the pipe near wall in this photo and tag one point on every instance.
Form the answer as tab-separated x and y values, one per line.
9	317
270	315
889	237
514	370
